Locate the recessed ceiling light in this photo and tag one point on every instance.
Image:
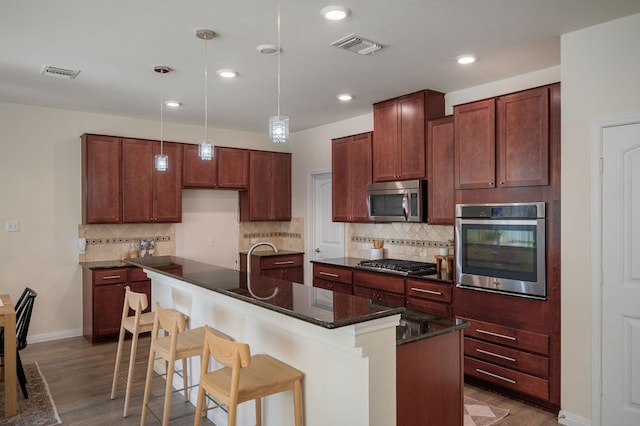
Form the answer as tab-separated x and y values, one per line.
267	49
335	13
227	73
172	104
466	59
345	97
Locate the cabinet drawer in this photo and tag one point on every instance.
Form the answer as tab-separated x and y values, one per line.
379	296
520	339
511	358
110	276
333	286
428	290
507	378
338	275
275	262
384	282
435	308
137	274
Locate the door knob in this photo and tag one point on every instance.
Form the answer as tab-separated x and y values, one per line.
317	250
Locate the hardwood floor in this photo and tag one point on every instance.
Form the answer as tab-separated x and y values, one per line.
79	376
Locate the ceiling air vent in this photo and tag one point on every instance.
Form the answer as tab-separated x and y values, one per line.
59	72
357	44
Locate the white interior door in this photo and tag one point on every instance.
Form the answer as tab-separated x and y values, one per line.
327	237
621	275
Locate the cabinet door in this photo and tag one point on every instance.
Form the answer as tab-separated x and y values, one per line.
475	145
233	168
440	159
198	173
167	185
281	186
137	180
107	309
411	146
101	200
385	142
258	201
351	172
523	138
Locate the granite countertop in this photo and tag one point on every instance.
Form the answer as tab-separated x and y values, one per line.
315	305
352	262
105	264
416	326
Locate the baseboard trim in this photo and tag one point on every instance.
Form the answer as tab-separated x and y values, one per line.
568	419
45	337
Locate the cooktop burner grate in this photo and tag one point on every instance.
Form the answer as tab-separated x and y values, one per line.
404	267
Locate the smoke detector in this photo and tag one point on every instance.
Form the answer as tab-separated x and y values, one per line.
357	44
59	72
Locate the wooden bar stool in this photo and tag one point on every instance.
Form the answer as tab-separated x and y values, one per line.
180	344
244	377
135	324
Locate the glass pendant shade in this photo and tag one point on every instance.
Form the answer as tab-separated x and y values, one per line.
162	162
205	150
279	128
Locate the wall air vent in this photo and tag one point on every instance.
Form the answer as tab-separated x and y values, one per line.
357	44
59	72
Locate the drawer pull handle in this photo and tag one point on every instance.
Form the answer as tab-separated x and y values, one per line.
502	336
496	376
287	262
329	274
111	277
421	290
496	355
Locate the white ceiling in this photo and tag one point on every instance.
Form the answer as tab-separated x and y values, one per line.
116	44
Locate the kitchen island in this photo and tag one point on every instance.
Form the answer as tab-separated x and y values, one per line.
345	345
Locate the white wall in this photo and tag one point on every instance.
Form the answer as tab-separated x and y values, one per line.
40	187
600	79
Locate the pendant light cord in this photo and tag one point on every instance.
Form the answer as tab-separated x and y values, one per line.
206	92
161	109
279	52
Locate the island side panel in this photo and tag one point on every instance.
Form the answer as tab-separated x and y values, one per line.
348	369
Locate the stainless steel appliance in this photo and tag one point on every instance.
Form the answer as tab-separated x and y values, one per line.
400	267
501	248
401	201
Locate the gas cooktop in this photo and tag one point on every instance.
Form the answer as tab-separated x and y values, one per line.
397	266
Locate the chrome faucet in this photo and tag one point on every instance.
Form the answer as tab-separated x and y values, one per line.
253	247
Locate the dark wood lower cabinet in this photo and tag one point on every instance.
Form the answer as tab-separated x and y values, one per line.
103	293
429	381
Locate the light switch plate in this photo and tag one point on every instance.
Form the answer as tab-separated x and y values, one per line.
12	226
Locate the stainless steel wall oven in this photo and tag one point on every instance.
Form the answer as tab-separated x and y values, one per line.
501	248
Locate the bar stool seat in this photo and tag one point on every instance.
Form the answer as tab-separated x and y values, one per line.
180	344
244	377
135	324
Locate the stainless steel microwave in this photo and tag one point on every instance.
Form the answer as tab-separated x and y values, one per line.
400	201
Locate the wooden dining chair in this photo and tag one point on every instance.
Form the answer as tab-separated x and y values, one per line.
244	377
24	309
176	343
135	324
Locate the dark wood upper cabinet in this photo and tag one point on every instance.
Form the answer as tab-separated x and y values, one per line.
147	194
228	169
504	141
269	195
399	141
351	172
101	197
523	138
440	172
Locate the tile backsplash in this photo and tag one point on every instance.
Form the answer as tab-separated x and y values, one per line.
285	235
410	241
110	242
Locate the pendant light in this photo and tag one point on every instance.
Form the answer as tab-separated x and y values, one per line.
161	160
279	124
205	146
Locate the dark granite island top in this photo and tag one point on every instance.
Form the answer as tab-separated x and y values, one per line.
327	309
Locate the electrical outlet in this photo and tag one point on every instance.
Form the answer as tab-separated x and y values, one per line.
366	246
12	226
212	242
254	240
